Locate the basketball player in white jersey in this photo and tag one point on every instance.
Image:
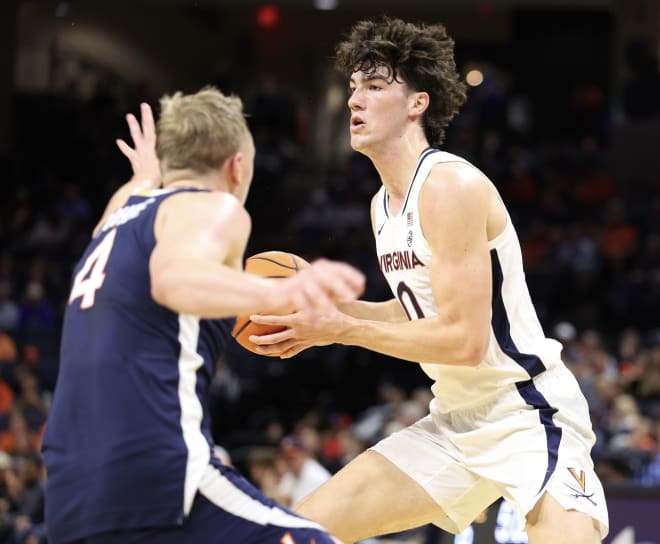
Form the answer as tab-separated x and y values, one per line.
507	418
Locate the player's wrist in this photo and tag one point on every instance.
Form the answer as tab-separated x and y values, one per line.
346	330
146	182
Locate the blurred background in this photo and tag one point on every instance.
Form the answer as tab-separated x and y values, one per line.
563	115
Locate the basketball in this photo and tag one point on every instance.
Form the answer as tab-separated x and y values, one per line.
269	264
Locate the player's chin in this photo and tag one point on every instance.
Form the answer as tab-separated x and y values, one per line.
358	144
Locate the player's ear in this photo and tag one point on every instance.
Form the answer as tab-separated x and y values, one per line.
236	168
419	102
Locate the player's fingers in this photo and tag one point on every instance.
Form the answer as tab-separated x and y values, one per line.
352	280
283	320
270	339
275	350
321	286
299	297
339	280
268	351
317	294
126	149
293	351
134	128
148	125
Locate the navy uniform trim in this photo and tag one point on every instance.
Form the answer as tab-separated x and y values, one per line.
532	365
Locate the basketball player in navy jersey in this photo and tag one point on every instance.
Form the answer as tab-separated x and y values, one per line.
127	444
507	418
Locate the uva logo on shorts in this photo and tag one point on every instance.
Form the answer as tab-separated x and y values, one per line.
579	492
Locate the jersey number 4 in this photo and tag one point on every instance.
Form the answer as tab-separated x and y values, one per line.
91	276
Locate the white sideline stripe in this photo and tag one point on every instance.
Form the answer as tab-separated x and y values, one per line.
199	452
221	491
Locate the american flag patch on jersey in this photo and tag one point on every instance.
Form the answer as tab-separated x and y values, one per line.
409	219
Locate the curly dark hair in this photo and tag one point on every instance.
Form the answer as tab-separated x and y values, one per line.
420	55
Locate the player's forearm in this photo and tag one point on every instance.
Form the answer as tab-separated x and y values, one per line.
428	340
213	291
377	311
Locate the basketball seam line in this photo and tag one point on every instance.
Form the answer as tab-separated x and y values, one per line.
239	331
273	261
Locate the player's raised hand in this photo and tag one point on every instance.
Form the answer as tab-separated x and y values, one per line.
142	156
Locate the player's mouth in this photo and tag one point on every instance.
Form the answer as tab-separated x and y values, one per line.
356	123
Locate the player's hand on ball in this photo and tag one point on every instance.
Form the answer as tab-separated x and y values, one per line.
325	282
317	318
300	330
312	289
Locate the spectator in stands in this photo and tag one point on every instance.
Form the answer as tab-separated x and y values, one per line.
266	469
647	387
9	312
304	473
649	473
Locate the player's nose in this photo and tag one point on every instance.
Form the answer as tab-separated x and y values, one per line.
355	100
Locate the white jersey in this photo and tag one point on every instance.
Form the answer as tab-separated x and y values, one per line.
518	349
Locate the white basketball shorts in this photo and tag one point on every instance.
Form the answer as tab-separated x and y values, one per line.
536	437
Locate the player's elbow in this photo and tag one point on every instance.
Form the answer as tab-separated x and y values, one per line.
162	285
158	290
472	356
474	349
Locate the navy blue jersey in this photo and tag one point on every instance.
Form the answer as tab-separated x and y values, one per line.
128	438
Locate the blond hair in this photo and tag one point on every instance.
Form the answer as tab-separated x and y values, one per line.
198	132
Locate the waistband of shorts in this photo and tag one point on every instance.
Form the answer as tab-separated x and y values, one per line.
487	401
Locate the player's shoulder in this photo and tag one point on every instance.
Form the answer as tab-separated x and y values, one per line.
213	209
457	177
453	191
205	202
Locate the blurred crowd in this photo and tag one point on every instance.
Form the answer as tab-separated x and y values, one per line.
591	245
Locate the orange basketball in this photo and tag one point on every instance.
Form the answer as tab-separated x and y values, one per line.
269	264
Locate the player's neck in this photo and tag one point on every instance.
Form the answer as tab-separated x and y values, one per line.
185	179
396	165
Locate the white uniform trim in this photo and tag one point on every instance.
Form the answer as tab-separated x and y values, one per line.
199	452
219	490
